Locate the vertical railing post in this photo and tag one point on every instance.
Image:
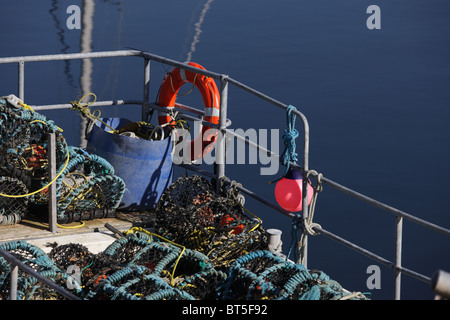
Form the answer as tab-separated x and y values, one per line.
146	89
398	256
220	151
14	278
52	204
21	75
303	251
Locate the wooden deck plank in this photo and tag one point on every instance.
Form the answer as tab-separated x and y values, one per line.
91	233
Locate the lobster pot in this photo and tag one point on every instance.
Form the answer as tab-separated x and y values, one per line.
135	284
12	209
192	214
23	158
33	257
124	250
87	189
144	165
264	275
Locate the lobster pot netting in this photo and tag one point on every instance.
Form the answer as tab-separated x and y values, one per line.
90	269
192	214
124	250
153	269
28	288
35	290
134	283
204	285
263	275
88	186
139	266
12	210
86	189
23	157
159	257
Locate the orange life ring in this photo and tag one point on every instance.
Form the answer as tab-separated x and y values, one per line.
211	100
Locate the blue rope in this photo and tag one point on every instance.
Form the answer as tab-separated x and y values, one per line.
296	224
289	136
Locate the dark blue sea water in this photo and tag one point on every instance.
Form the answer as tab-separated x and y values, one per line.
377	101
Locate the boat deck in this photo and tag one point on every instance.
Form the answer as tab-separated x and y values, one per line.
91	233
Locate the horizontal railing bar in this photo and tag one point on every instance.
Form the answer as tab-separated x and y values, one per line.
184	116
371	255
198	112
197	170
174	63
13	260
261	199
350	191
252	144
111	54
385	207
280	105
95	104
136	102
71	56
226	180
257	93
184	107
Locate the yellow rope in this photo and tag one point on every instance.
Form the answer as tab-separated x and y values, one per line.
136	229
83	108
182	94
43	188
45	123
254	216
25	106
73	227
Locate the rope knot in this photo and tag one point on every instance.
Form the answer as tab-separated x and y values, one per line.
85	112
309	226
233	194
289	136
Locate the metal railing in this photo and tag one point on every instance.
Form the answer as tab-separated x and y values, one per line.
16	264
219	174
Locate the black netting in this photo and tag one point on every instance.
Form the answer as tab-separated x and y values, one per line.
12	210
192	214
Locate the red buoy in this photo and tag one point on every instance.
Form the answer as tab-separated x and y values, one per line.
288	191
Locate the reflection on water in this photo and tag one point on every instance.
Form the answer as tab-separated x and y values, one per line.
112	78
60	31
198	30
87	23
